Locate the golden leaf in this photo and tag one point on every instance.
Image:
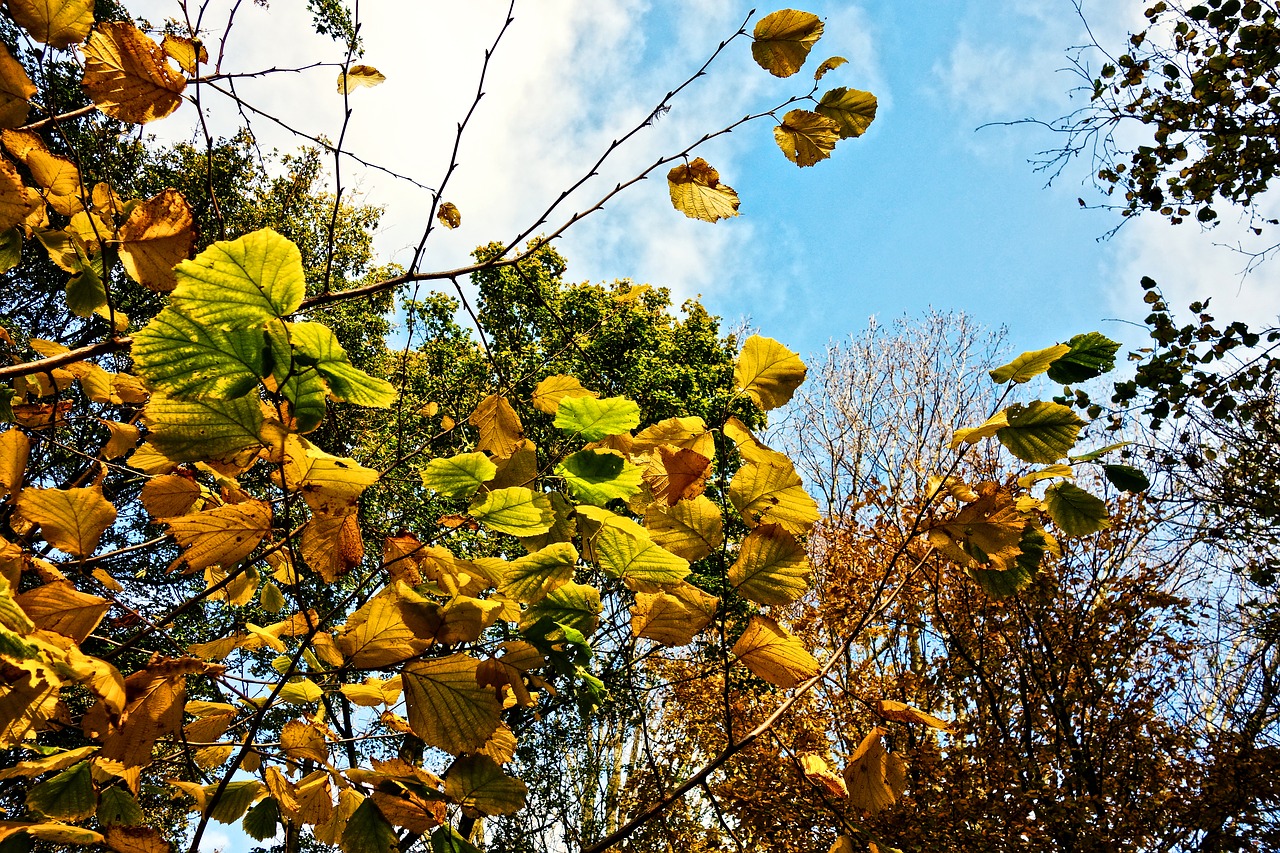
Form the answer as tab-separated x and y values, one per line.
676	474
986	534
57	23
377	634
126	75
772	567
783	41
828	65
553	389
773	654
851	109
449	215
223	535
904	713
989	427
329	484
875	778
359	75
71	520
124	437
156	697
499	426
16	90
188	53
817	770
447	708
772	493
696	192
15	202
48	763
159	233
768	371
14	450
135	839
690	529
672	617
315	798
806	137
61	608
331	544
690	433
170	495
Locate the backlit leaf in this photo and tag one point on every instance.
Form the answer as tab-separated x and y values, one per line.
124	438
189	54
500	429
183	358
553	389
15	448
972	435
357	76
1126	477
592	419
447	708
828	65
170	495
377	635
769	372
1092	354
772	567
1002	584
904	713
518	511
318	345
158	234
599	476
676	474
625	551
15	204
477	783
687	433
783	41
116	806
61	833
696	192
818	772
449	215
806	137
773	654
1029	365
673	617
68	796
329	484
16	90
57	23
302	691
773	493
242	282
868	774
572	604
458	476
199	430
1040	432
530	578
223	536
1074	510
127	76
60	607
984	534
48	763
71	520
851	109
690	529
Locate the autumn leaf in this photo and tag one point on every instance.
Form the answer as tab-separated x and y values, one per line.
674	616
16	90
624	550
447	707
357	76
15	204
689	433
773	654
690	529
127	76
817	771
904	713
696	192
783	40
477	783
61	608
676	474
551	391
772	493
68	796
769	372
828	65
572	604
223	536
242	282
57	23
852	110
170	495
201	430
15	448
806	137
530	578
188	53
449	215
71	520
985	534
1074	510
875	778
772	567
1040	432
1029	365
158	234
516	510
458	476
500	429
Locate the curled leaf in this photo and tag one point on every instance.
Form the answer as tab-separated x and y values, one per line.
696	192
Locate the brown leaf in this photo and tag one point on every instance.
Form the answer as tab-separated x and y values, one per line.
159	233
126	75
986	534
449	215
15	203
170	495
817	770
783	41
903	713
500	429
806	137
676	474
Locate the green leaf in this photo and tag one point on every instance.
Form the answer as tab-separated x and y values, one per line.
1092	354
458	476
1040	432
235	800
1002	584
367	831
447	840
306	393
67	796
769	372
625	551
772	567
573	605
852	109
517	510
1029	365
599	476
1074	510
85	292
477	783
117	806
594	419
10	249
315	345
1127	477
530	578
262	820
182	358
242	282
783	40
1094	455
202	430
301	692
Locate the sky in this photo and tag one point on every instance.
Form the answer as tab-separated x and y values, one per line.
935	207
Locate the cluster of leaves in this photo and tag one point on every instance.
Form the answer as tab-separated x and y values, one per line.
1209	98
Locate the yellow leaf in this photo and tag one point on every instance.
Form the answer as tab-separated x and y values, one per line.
672	617
359	75
57	23
690	433
1029	365
331	544
126	75
58	176
16	90
15	202
986	534
71	520
769	372
874	777
851	109
186	52
773	654
61	608
772	567
696	192
223	535
159	234
377	634
303	691
676	474
135	839
904	713
447	707
170	495
1049	472
329	484
499	426
124	437
367	695
772	493
553	389
48	763
690	529
449	215
783	41
988	428
315	798
95	382
817	770
828	65
14	450
806	137
61	833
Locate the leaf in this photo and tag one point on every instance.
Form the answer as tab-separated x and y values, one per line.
676	474
599	476
241	282
1127	478
116	806
16	90
552	390
625	551
222	536
71	520
690	529
15	448
447	840
674	617
1050	472
972	435
530	578
828	65
818	772
61	833
86	293
686	433
359	75
61	608
1092	354
449	215
518	511
806	137
317	346
783	41
904	713
15	204
188	53
124	438
852	110
984	534
592	419
328	483
263	820
378	635
57	23
302	691
772	493
572	605
202	430
158	234
1094	455
1040	432
769	372
696	192
868	773
170	495
500	429
48	763
1029	365
126	75
477	783
1074	510
448	709
772	567
67	796
773	654
182	358
10	244
1002	584
458	476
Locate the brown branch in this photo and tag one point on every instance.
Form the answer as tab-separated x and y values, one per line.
27	368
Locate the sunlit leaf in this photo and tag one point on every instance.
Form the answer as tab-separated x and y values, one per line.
687	433
1092	354
868	775
223	535
904	713
48	763
57	23
1040	432
317	345
1029	365
592	419
329	484
673	617
984	534
690	529
127	76
477	783
302	691
806	137
16	90
972	435
828	65
818	772
377	635
158	234
530	578
15	204
198	430
769	372
599	476
242	282
188	53
61	833
772	493
572	604
357	76
851	109
59	607
783	41
518	511
696	192
458	476
1074	510
550	391
72	520
500	429
15	448
624	550
772	567
183	358
449	215
676	474
170	495
447	707
773	654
